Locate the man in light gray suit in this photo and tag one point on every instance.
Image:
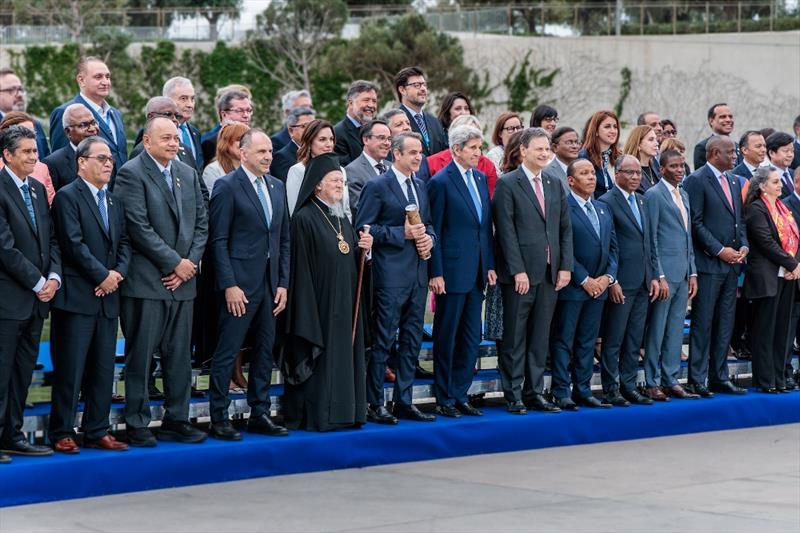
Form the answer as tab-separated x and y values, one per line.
673	257
168	226
372	162
565	146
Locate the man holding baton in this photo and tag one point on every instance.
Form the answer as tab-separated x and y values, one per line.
401	247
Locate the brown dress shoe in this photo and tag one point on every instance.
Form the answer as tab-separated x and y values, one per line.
66	445
107	443
389	375
657	395
676	391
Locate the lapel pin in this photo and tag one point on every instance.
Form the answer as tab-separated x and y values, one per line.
601	212
178	182
109	200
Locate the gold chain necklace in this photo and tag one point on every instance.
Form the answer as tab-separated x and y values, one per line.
344	248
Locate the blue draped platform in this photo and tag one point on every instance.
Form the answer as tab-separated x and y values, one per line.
96	473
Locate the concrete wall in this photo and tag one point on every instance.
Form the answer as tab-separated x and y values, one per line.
679	77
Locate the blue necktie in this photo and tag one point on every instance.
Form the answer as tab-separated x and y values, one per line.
110	123
593	217
167	178
26	195
187	138
635	209
101	205
412	199
263	199
787	181
473	191
423	129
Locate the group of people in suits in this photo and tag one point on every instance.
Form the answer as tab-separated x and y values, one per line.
587	245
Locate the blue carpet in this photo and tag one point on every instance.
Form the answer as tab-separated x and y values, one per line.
95	473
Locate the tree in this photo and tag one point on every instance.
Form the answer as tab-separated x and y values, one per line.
211	10
79	17
523	83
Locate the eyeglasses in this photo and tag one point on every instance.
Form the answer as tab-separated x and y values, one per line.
300	126
84	125
381	138
102	158
417	84
550	119
630	172
241	110
669	133
165	114
513	129
19	89
569	142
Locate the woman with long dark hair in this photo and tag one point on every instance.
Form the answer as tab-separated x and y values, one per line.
601	147
454	105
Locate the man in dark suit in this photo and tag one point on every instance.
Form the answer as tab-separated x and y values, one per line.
249	238
362	104
167	226
372	162
30	275
412	92
720	119
94	83
580	303
754	151
12	98
181	91
296	124
793	203
673	260
291	100
161	106
90	226
232	106
796	126
78	124
399	272
626	309
780	151
534	236
720	249
461	265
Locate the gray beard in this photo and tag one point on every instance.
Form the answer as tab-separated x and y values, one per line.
337	210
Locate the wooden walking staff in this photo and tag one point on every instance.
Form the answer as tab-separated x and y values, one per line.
360	281
412	215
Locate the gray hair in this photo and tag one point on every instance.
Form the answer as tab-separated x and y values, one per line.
530	134
12	136
294	115
759	178
621	159
67	116
228	97
84	147
387	117
247	138
172	83
358	87
461	135
157	102
399	140
287	100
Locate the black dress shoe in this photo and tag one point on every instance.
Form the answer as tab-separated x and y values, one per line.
448	410
224	431
791	384
23	447
182	432
783	390
380	415
4	459
700	390
264	425
141	437
516	408
636	397
421	373
768	390
539	403
591	401
565	404
410	412
468	409
616	399
726	387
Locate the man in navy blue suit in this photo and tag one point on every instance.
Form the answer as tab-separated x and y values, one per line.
720	120
78	124
461	265
249	239
12	98
754	151
94	83
181	91
580	304
793	203
720	249
399	275
412	92
628	299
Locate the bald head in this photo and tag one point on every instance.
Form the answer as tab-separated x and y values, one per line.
161	139
161	106
721	152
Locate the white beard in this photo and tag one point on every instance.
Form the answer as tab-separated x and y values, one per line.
337	210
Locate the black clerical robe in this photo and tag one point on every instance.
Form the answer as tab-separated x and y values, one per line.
325	374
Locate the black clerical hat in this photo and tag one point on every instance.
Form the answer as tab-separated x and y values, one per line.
316	169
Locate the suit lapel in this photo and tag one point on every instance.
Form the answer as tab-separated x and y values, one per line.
155	175
618	197
461	187
244	183
89	198
104	129
398	191
16	197
527	190
715	184
674	208
276	203
581	214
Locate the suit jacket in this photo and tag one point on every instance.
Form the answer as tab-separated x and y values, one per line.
699	155
395	261
184	154
465	251
714	224
119	148
437	137
89	250
766	255
359	172
348	141
283	161
164	227
524	235
742	170
62	166
199	160
41	138
208	144
670	242
280	140
601	187
26	255
247	253
594	255
634	260
554	171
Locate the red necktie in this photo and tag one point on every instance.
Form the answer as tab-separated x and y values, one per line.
726	189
